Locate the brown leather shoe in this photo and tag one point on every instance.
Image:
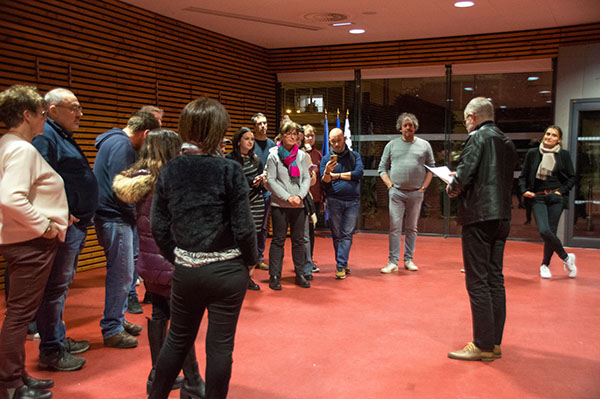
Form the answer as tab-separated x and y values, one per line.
132	329
472	352
122	340
497	352
262	265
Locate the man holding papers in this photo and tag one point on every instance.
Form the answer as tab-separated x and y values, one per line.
402	169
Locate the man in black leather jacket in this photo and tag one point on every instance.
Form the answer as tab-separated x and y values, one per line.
483	185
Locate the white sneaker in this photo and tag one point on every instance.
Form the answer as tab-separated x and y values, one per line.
569	265
545	272
409	265
390	267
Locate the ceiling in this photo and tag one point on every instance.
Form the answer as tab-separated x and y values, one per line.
294	23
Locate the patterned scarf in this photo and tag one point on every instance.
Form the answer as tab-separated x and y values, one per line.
548	161
289	159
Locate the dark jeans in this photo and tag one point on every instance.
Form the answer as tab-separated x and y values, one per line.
261	236
219	288
50	314
342	220
483	252
29	265
281	218
547	210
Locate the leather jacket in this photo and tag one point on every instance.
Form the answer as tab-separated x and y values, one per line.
484	177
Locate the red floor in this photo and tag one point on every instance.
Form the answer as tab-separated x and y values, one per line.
373	335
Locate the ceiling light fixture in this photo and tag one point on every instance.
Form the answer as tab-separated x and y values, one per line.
468	89
342	24
545	92
502	107
532	78
464	4
356	31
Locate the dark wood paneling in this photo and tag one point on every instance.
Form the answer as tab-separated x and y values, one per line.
540	43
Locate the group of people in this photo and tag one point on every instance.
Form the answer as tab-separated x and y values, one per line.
195	238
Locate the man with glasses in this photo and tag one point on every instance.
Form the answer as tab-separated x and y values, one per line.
483	185
262	144
61	151
402	169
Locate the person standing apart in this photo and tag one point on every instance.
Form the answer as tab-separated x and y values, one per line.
546	178
402	169
61	151
483	184
34	216
202	223
115	223
341	171
262	145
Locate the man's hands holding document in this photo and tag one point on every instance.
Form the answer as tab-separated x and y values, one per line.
444	173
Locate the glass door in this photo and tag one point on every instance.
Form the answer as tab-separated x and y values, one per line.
583	221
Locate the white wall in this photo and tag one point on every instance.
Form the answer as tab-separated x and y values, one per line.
577	77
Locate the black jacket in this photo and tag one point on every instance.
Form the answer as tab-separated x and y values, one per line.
563	170
484	176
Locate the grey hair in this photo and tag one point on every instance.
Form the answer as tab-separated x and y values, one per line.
482	107
152	109
404	116
58	95
256	116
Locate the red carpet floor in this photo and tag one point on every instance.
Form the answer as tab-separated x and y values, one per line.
373	335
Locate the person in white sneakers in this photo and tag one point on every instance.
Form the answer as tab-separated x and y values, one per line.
402	169
547	177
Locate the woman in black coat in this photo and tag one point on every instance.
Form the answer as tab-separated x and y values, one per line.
547	177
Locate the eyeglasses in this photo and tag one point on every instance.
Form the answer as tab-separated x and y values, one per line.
44	113
465	120
72	108
291	133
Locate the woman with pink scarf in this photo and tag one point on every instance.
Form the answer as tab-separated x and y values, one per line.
289	183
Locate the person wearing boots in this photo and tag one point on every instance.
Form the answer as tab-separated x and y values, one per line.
202	223
136	185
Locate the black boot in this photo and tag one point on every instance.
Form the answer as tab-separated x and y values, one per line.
193	385
157	332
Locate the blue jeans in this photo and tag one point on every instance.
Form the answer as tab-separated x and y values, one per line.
547	210
264	231
136	252
342	221
403	203
117	239
50	314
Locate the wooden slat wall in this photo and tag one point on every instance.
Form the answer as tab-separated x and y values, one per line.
117	58
539	43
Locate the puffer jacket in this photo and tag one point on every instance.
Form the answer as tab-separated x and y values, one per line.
137	187
484	176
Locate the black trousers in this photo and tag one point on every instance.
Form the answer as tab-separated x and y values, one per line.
281	219
218	288
483	252
547	210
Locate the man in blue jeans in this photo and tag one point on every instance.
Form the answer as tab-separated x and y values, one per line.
341	172
115	225
61	151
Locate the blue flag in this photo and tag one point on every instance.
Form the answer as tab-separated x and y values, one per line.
325	146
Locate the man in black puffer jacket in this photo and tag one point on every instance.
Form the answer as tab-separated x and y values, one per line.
483	185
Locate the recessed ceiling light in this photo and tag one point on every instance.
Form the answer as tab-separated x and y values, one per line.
545	92
489	99
531	78
468	89
502	107
342	24
356	31
549	101
464	4
288	111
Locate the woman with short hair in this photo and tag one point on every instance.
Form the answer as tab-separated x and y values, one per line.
34	217
202	223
